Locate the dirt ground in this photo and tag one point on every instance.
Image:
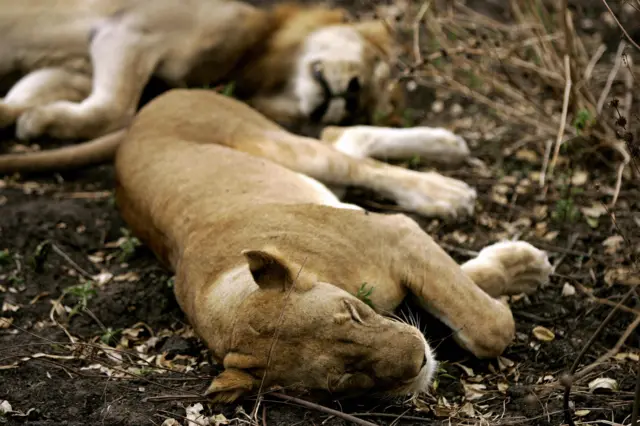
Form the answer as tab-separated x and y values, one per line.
92	333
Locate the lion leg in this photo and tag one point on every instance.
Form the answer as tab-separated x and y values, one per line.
481	323
42	87
123	60
429	143
428	194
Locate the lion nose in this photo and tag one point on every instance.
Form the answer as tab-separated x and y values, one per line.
354	85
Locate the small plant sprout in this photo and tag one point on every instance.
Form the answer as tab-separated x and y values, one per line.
128	245
110	336
364	294
83	293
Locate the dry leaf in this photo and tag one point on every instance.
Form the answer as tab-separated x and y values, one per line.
581	413
528	155
603	385
8	307
613	244
218	419
543	334
468	371
595	211
504	363
621	356
473	391
171	422
568	290
195	416
5	322
622	275
102	278
5	407
503	386
467	409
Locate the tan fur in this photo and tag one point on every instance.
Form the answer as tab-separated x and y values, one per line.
84	63
267	265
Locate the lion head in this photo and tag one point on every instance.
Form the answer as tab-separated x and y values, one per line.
319	66
300	333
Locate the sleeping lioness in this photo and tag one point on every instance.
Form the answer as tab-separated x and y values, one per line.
268	261
81	66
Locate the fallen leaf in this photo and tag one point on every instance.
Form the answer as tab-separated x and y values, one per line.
603	385
582	413
467	409
218	419
503	386
527	155
102	278
621	356
129	276
194	414
5	407
5	322
473	391
595	211
504	363
467	370
621	275
171	422
8	307
543	334
568	290
613	244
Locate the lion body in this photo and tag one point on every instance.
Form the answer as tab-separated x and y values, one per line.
232	203
77	69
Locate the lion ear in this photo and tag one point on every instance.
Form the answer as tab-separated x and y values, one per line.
229	385
269	269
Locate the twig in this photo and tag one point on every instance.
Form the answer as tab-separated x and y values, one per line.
70	261
568	418
620	25
164	398
314	406
612	75
394	416
628	83
416	32
594	60
565	110
636	399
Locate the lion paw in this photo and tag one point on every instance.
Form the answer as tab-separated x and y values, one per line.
53	120
525	266
434	195
442	145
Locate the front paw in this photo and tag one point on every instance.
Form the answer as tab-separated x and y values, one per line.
52	120
527	268
442	146
434	195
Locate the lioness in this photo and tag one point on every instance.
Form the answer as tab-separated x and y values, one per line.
82	66
268	261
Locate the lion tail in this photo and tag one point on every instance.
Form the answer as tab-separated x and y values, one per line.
94	151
